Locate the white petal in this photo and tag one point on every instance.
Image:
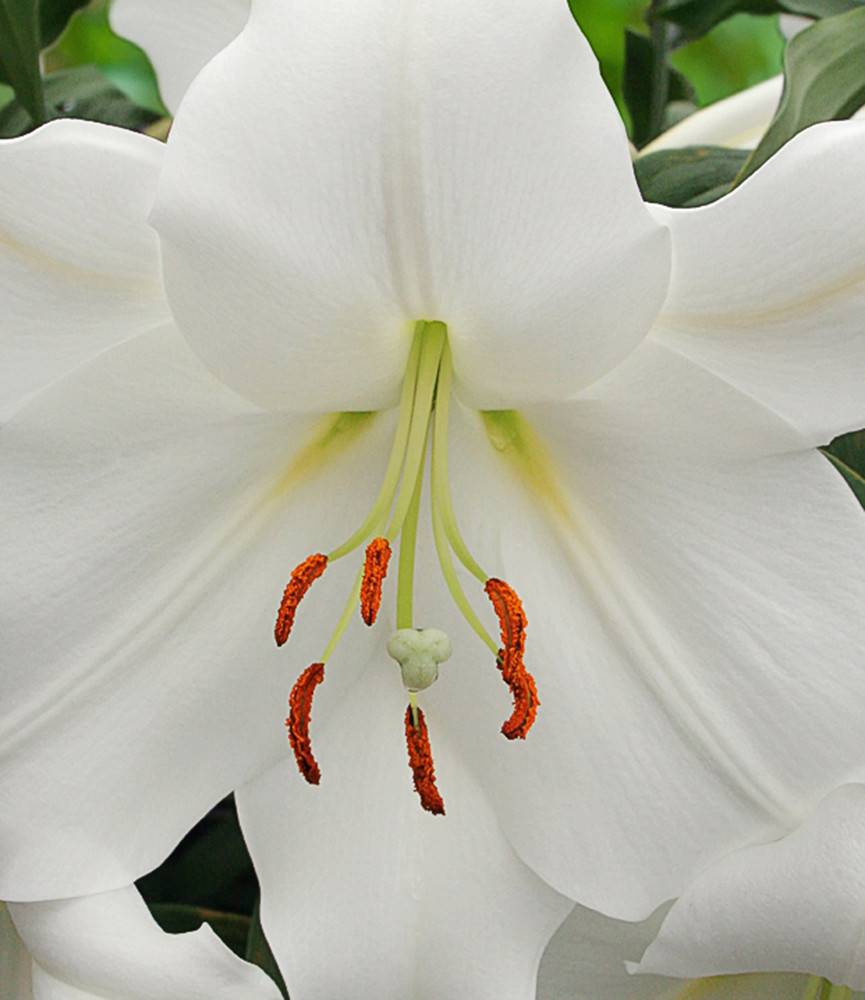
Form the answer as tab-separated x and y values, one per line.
738	121
768	287
678	600
15	978
179	38
345	169
79	266
586	960
109	946
152	519
795	905
364	894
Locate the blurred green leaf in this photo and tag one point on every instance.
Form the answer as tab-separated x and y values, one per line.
736	54
258	952
89	41
54	16
640	87
687	177
78	93
824	79
847	454
19	55
696	17
179	918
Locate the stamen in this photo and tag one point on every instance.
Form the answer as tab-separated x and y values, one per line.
421	762
512	627
297	723
303	577
374	572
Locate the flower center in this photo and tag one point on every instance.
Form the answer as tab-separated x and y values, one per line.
423	422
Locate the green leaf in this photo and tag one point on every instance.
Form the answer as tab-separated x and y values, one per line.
824	80
78	93
847	454
642	64
696	17
19	55
54	15
178	918
210	867
687	177
258	952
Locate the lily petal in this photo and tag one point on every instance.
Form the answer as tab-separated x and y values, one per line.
588	957
109	946
79	266
345	169
768	287
423	907
738	121
678	599
153	518
179	38
795	904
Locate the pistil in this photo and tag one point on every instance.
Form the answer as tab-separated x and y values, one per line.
423	416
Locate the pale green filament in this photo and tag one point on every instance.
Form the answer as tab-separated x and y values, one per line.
407	546
435	335
441	492
453	583
397	452
346	616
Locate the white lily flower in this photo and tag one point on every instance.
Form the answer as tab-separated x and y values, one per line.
794	905
109	946
634	453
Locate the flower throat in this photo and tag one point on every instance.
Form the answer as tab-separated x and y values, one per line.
422	423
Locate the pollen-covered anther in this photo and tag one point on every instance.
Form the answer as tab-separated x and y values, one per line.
374	572
297	723
303	577
512	627
421	762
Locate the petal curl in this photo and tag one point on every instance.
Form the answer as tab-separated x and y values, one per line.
768	286
420	907
110	946
795	904
79	266
678	596
587	959
152	518
345	169
179	38
738	121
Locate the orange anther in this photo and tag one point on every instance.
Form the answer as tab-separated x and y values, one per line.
303	577
421	763
512	628
374	572
297	723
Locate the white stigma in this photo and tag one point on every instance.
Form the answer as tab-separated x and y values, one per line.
419	651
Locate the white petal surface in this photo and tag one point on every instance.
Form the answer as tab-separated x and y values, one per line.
768	287
345	169
364	894
795	904
678	599
79	266
152	519
738	121
15	962
586	960
179	38
109	946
